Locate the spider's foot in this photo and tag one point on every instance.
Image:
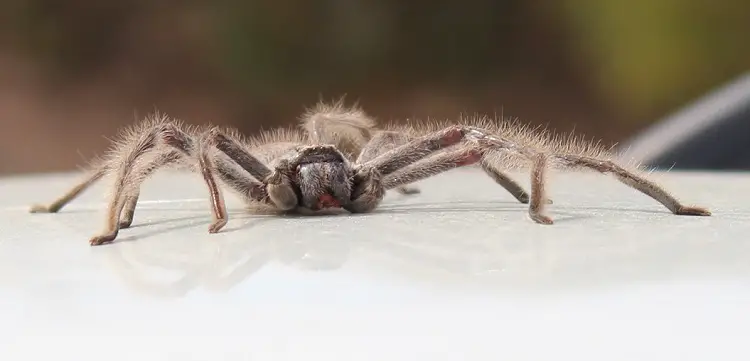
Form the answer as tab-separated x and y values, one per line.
103	239
217	225
540	218
408	190
692	211
524	199
125	223
41	208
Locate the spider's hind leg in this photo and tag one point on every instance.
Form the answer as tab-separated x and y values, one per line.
504	180
639	183
73	193
347	128
634	181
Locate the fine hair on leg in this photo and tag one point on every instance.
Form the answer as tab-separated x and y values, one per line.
155	143
505	145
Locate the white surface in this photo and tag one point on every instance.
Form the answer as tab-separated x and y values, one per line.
456	273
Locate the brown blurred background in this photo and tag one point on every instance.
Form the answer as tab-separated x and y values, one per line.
73	71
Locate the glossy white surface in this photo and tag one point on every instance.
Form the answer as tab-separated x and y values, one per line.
456	273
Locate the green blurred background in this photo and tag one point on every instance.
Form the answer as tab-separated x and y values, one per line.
72	72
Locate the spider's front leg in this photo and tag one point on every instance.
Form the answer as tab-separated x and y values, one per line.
246	181
274	186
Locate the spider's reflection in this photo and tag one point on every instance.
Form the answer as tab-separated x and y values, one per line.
174	267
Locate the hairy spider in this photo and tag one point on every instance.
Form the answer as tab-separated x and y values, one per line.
339	159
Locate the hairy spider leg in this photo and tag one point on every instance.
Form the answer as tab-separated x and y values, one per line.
131	171
73	193
382	142
473	144
389	140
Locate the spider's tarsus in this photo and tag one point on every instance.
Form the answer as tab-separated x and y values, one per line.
524	199
540	218
217	226
408	190
692	211
40	208
103	239
125	223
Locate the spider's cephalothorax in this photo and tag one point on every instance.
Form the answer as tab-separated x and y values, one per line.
320	177
323	180
340	160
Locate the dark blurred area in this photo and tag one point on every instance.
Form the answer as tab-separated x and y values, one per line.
73	72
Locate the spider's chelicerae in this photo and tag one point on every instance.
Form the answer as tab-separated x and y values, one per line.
339	159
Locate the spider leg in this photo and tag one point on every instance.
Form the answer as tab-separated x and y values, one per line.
636	182
480	141
434	165
382	142
276	184
97	173
128	210
131	197
72	193
161	144
540	162
408	152
238	154
168	144
131	171
506	182
416	149
538	190
218	207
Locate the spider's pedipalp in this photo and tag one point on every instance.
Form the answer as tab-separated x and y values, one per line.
367	192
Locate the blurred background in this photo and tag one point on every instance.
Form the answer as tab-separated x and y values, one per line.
72	72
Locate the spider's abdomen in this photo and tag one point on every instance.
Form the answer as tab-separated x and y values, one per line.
323	185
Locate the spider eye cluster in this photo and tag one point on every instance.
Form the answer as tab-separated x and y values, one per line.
323	184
